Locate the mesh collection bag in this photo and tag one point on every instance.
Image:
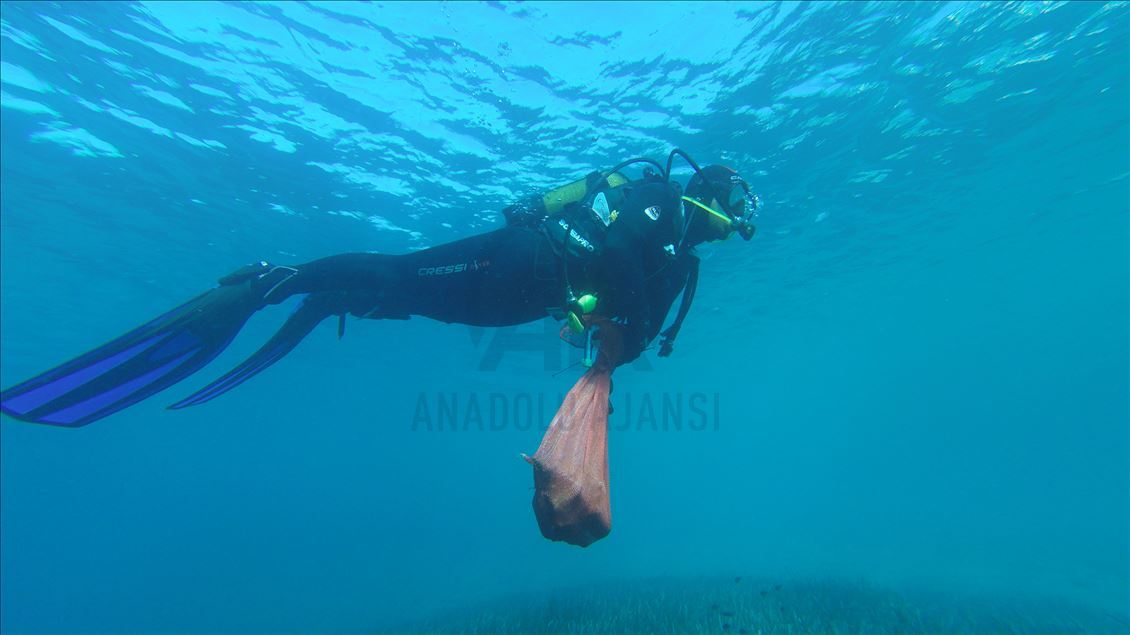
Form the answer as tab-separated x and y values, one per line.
571	497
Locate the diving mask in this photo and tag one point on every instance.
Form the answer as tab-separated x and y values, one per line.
738	207
741	206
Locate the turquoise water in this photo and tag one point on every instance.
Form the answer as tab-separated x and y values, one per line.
915	375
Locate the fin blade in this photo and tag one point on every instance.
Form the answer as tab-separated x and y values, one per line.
134	366
307	316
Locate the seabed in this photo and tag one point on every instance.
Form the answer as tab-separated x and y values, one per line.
752	606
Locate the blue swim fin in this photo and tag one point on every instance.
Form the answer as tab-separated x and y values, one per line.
149	358
313	309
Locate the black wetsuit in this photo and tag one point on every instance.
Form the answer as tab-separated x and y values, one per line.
516	274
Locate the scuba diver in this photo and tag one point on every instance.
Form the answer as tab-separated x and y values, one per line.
622	249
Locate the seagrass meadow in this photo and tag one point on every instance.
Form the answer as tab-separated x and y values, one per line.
748	606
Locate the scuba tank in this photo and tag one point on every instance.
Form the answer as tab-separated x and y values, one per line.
531	211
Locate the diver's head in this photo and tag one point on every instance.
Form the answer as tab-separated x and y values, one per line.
718	203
